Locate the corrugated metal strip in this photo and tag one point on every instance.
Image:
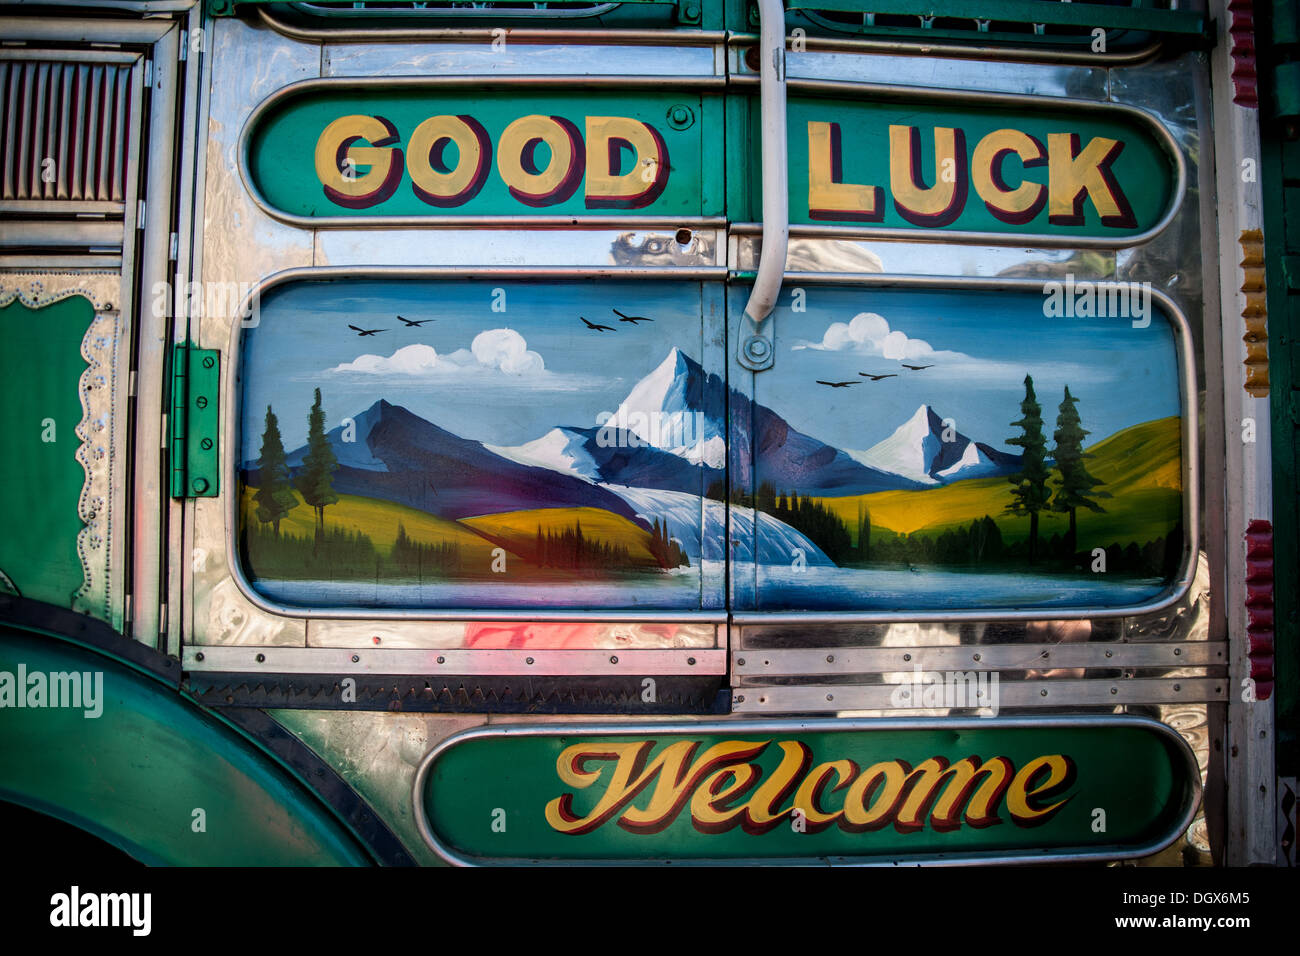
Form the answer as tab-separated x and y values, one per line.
65	130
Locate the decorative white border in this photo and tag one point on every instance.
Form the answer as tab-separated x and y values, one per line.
99	428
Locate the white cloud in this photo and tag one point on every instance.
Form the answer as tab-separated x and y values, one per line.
869	334
493	352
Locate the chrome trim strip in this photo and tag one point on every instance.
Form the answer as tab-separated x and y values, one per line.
538	662
1020	101
685	37
475	81
1190	477
960	52
1176	743
749	662
230	435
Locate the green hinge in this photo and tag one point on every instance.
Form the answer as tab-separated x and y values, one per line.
195	442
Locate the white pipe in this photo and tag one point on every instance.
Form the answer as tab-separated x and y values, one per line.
776	205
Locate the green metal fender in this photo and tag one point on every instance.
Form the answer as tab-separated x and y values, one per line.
139	774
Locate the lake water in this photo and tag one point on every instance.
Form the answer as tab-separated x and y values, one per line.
780	587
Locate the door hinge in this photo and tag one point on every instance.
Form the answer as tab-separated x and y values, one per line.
195	459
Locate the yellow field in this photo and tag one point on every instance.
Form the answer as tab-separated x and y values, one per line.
378	520
519	528
1140	466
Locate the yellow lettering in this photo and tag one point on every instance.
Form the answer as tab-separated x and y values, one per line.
1074	174
528	181
432	179
609	187
829	197
1021	204
1025	791
338	161
922	205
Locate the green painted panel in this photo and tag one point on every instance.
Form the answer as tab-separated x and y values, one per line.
135	773
40	370
658	140
1122	184
859	792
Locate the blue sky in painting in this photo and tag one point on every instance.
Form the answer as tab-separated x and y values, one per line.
508	377
493	391
980	345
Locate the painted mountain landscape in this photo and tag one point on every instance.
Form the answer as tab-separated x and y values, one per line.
566	444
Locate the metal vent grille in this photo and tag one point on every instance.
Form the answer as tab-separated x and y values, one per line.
66	130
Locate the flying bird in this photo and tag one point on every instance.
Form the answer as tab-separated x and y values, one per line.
634	319
877	378
594	327
412	323
364	332
837	384
916	368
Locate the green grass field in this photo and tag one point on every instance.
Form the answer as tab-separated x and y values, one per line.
1141	467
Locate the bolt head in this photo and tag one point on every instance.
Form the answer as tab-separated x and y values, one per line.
200	485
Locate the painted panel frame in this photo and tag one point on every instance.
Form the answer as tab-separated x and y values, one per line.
952	729
1188	469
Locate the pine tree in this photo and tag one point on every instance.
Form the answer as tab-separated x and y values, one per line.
315	482
1030	494
1074	484
275	497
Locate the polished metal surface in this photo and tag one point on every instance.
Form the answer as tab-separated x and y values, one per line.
542	662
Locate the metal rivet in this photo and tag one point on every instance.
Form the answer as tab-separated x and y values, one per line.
830	658
528	660
613	660
830	696
1178	687
1114	690
1042	693
442	660
356	659
1178	651
691	661
261	658
739	699
740	662
975	657
907	657
1109	654
200	485
198	656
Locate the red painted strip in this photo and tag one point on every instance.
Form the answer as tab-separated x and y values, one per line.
1259	606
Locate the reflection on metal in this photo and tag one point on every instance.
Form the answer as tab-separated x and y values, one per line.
815	698
409	31
768	663
755	349
652	662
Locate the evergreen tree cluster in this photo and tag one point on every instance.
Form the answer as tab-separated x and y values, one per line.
667	552
334	554
813	520
411	558
571	550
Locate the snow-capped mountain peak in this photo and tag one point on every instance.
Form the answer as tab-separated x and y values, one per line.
927	450
560	449
677	408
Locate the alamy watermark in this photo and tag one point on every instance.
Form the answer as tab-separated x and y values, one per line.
962	690
81	690
1101	300
624	429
